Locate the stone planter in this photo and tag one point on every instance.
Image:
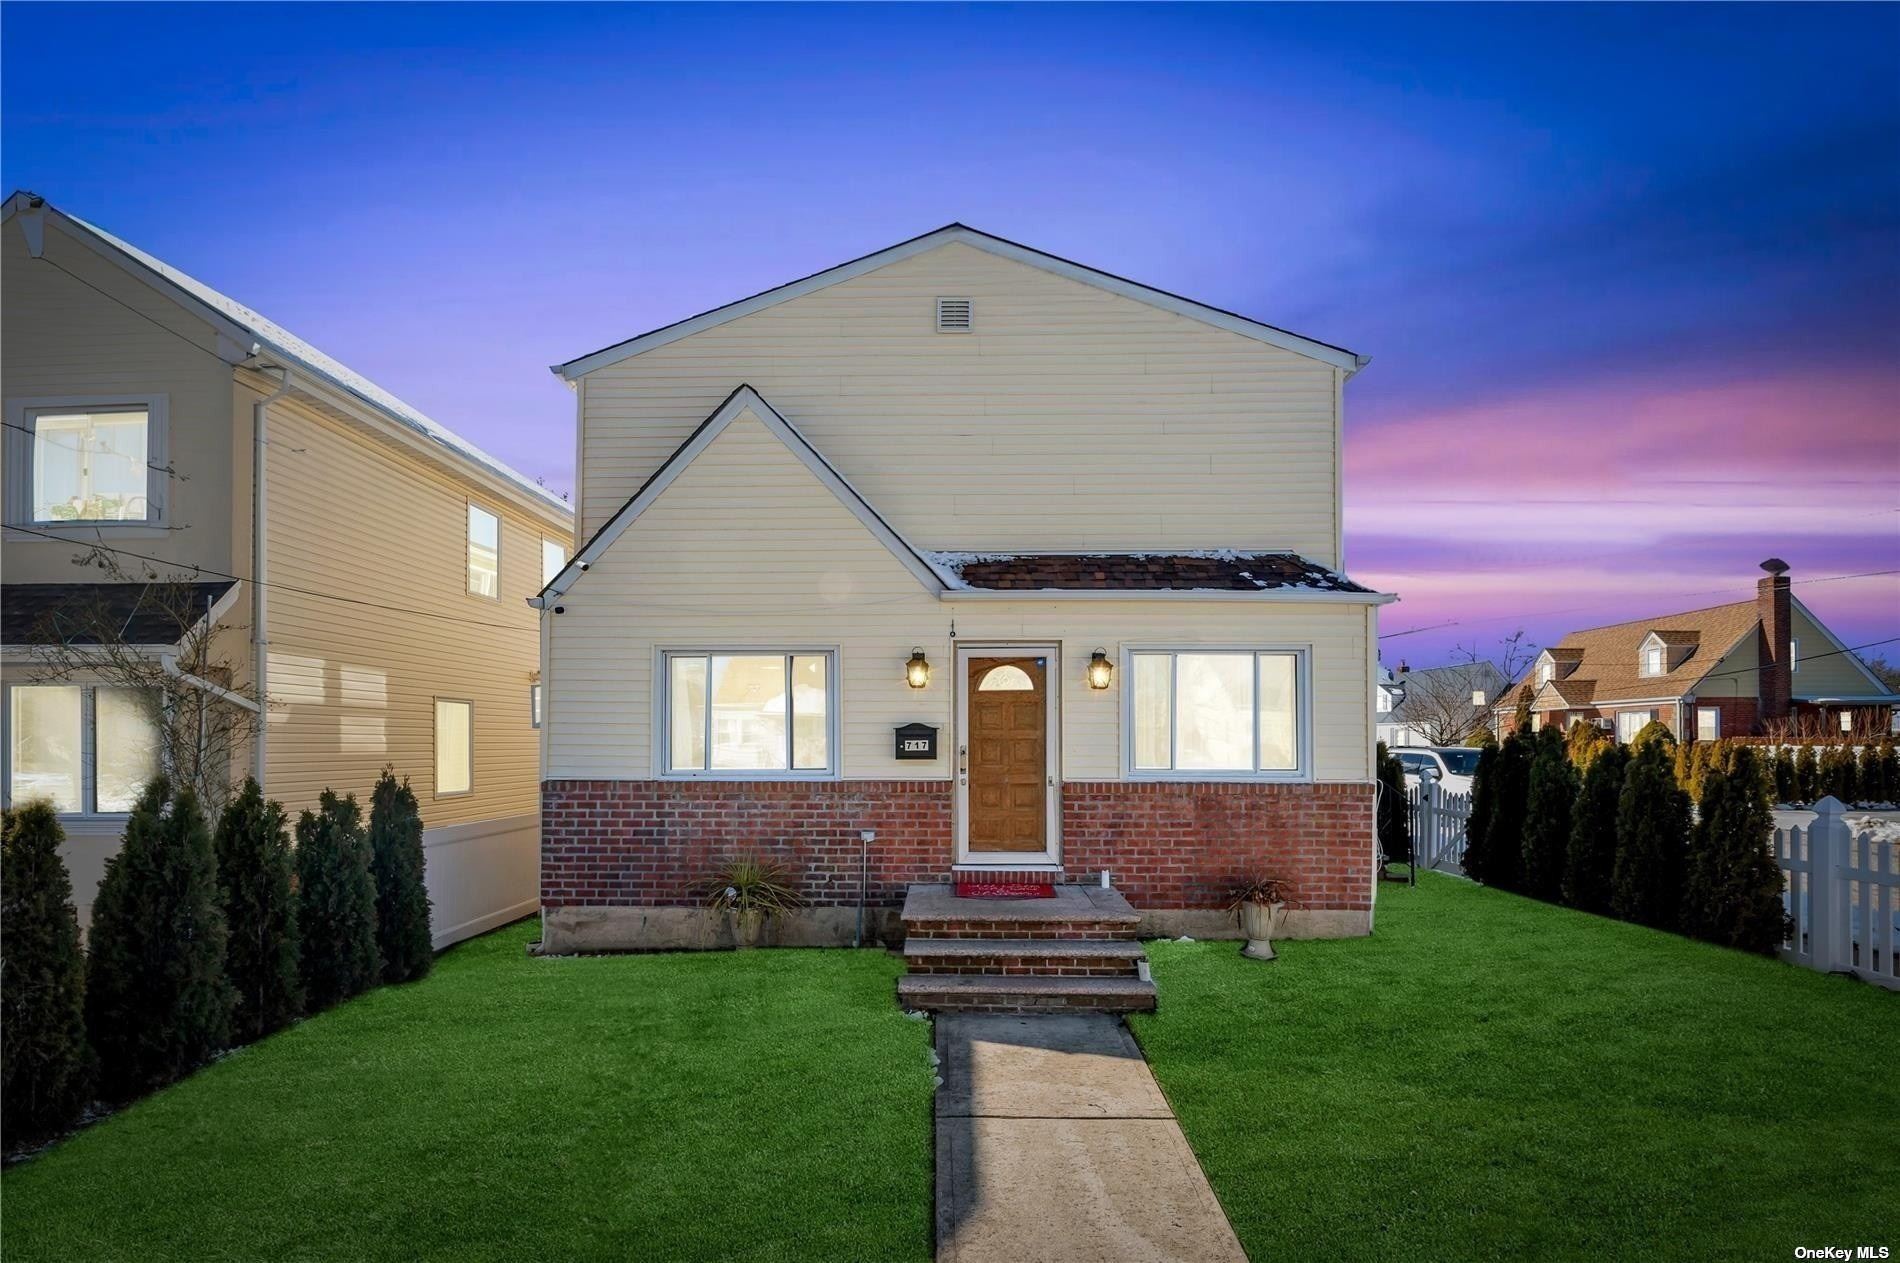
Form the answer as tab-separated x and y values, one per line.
748	930
1261	923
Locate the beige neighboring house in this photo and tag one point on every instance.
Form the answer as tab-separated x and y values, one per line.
1024	570
153	417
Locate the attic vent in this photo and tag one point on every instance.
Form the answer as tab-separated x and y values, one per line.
954	315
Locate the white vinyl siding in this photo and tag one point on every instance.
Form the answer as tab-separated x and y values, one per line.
1070	418
454	747
90	750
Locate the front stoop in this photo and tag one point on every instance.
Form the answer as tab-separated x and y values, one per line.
1076	951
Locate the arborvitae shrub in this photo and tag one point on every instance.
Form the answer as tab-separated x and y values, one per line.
1786	785
1521	714
336	903
1590	860
1484	806
1889	765
157	1002
1867	778
1500	859
260	914
1550	796
1585	743
45	1063
1652	835
1732	891
402	901
1838	774
1807	775
1656	731
1481	737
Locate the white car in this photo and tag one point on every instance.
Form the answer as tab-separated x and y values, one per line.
1453	766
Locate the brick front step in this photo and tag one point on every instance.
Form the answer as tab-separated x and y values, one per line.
1076	912
965	993
1066	958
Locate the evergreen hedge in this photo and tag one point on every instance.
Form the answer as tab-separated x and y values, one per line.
1652	830
396	860
1484	806
1550	794
1787	787
1807	776
260	913
1586	743
1494	855
157	1002
336	903
1732	890
1590	860
1838	775
45	1062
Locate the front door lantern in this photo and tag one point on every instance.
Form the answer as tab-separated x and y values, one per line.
917	670
1100	670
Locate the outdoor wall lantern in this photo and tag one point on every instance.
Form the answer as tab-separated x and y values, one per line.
1100	670
917	670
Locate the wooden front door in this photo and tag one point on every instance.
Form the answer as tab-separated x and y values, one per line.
1008	754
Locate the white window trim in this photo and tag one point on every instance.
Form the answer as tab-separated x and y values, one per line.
1302	714
547	578
468	546
19	479
88	746
1716	711
435	747
663	729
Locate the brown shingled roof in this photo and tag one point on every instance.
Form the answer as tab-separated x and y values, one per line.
1609	658
1210	571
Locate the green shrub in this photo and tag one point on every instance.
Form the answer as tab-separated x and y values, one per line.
45	1063
157	1002
1494	854
1586	743
1652	835
1395	814
1807	775
1484	807
1838	774
1787	786
336	903
1888	764
260	914
1480	737
1551	794
1732	891
1658	732
402	901
1590	860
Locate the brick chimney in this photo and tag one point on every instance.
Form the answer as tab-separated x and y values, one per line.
1774	604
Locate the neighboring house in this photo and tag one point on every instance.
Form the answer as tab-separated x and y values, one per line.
184	434
1747	668
1023	568
1436	706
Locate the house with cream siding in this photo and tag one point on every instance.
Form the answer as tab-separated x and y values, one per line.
1747	668
364	568
958	570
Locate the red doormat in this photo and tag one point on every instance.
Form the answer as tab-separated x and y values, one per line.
1005	890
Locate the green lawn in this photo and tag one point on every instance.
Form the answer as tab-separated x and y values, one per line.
774	1105
1493	1078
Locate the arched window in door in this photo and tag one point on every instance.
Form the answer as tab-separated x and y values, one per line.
1005	679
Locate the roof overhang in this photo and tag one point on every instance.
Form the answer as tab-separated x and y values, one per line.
1289	596
1346	361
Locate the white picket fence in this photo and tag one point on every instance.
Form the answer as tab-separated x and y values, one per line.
1843	893
1438	825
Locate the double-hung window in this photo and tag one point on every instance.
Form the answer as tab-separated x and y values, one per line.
750	713
454	747
90	750
1200	714
484	552
87	462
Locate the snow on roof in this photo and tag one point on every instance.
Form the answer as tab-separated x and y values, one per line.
283	341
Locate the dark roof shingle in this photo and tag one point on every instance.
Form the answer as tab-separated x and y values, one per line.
1210	571
90	613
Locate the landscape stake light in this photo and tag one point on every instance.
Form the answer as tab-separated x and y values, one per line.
917	670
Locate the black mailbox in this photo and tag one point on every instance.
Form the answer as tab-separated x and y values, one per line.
916	741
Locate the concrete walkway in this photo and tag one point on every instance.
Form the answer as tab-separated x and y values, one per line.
1055	1144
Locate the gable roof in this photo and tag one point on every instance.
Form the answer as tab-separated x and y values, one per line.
1218	317
250	332
1609	659
742	400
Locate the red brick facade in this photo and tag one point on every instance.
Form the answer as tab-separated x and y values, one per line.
1167	844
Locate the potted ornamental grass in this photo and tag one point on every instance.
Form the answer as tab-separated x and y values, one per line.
1261	902
754	892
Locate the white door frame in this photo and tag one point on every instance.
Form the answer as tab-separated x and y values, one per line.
1051	651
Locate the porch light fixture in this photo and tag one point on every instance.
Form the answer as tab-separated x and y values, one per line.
917	670
1100	670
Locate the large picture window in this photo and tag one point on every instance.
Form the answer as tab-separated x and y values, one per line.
86	462
88	750
1217	713
750	713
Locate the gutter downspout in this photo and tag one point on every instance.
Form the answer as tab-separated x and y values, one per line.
260	600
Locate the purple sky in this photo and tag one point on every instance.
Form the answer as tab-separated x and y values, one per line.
1630	277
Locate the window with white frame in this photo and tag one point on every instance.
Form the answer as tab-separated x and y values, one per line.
534	705
1794	654
1655	660
553	557
90	750
750	713
1544	674
1708	723
87	463
1199	713
1631	722
454	747
484	552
